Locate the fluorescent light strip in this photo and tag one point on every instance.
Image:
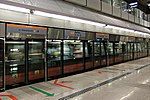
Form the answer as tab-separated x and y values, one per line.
40	13
14	8
119	28
142	33
132	4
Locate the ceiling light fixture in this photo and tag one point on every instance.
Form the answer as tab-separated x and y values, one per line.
119	28
44	14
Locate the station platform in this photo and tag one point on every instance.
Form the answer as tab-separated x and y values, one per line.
125	81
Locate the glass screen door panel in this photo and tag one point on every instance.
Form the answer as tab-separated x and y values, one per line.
1	64
143	51
139	50
125	51
54	58
73	56
118	52
35	60
103	54
110	53
132	51
129	51
97	55
88	55
136	50
15	62
148	48
145	46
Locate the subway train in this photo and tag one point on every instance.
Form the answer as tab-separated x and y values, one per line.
30	54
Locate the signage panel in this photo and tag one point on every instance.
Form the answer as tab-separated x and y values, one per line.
25	31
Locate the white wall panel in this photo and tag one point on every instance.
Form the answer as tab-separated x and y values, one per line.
141	21
45	21
89	27
106	8
125	15
98	29
108	30
145	23
11	16
131	17
74	25
116	12
94	4
137	20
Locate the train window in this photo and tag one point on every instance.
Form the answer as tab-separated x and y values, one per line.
110	48
118	48
102	49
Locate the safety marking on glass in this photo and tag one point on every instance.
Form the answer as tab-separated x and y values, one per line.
41	91
9	96
61	84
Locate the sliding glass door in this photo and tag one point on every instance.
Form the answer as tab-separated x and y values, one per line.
15	63
35	60
73	56
54	62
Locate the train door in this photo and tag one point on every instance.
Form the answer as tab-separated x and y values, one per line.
15	63
73	52
73	56
145	51
149	48
128	51
54	55
118	52
100	49
35	59
125	52
97	53
88	60
132	50
141	49
103	53
110	50
54	52
89	50
135	50
1	64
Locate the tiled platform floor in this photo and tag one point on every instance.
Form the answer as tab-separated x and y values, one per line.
126	81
